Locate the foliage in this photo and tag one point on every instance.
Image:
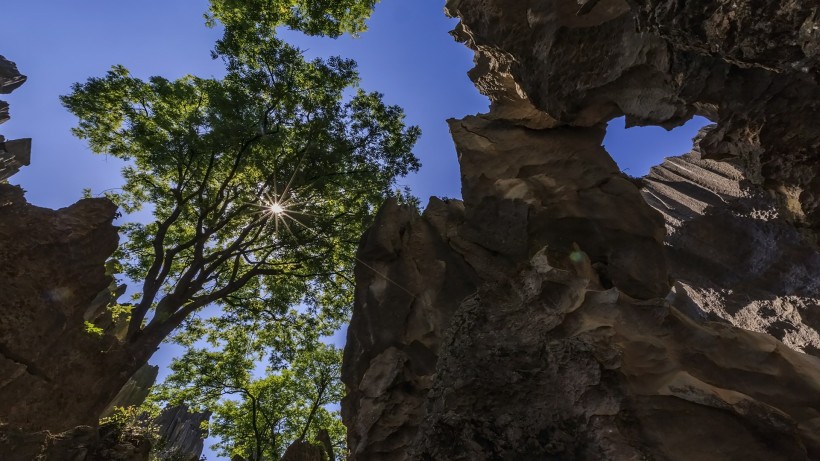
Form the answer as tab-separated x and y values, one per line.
92	329
259	185
258	414
209	158
136	425
250	24
132	426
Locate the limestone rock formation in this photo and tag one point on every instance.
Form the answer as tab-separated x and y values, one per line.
55	373
52	263
83	443
13	155
535	319
181	432
17	153
750	66
10	77
135	390
301	450
545	365
558	187
391	354
733	254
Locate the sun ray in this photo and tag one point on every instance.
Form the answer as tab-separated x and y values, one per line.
292	177
283	207
288	228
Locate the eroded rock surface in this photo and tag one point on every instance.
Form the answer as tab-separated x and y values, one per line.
750	66
567	343
52	263
391	353
134	392
55	373
527	188
545	365
733	254
83	443
17	153
181	433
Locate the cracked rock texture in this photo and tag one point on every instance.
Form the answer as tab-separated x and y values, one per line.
52	263
535	320
718	223
83	443
135	391
182	433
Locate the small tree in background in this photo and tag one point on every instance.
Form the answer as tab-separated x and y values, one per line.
258	413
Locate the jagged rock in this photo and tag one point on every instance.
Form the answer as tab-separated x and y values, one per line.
566	348
733	255
323	437
4	115
56	373
541	58
181	432
301	450
13	155
544	366
135	390
17	153
778	35
524	189
410	267
10	77
545	363
52	267
177	433
83	443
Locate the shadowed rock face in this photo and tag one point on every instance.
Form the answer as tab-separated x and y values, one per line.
734	256
54	375
52	264
545	365
558	188
181	432
543	302
391	353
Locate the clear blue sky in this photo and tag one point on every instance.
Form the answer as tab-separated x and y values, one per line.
407	54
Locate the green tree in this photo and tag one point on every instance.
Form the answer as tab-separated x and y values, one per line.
259	183
258	417
249	23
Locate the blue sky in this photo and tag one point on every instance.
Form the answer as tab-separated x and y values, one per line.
407	54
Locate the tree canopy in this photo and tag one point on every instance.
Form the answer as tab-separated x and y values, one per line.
249	25
258	413
259	183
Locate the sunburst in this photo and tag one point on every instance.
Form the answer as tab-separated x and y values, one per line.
276	209
280	208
